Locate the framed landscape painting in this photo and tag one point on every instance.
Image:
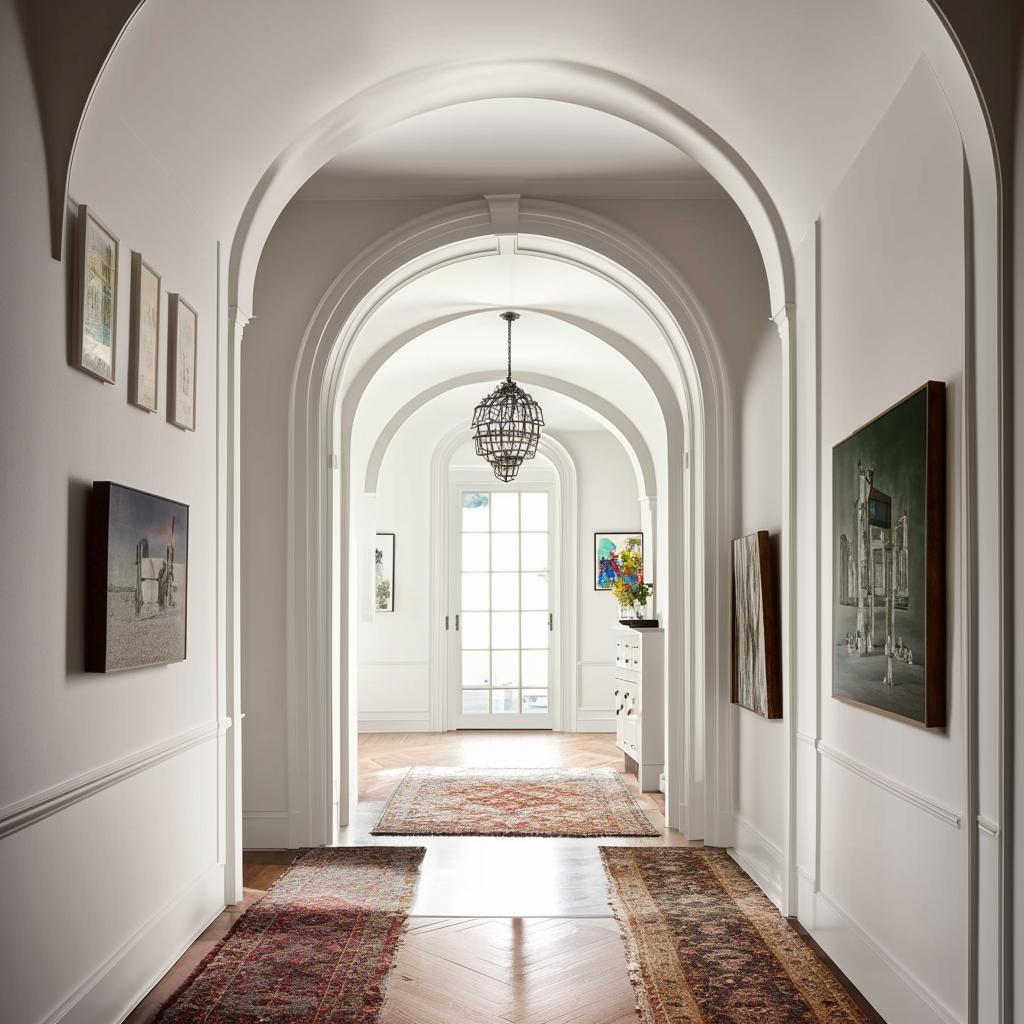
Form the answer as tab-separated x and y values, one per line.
384	572
94	345
138	579
607	547
182	328
144	336
889	561
756	652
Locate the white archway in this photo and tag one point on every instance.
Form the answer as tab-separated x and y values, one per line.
697	502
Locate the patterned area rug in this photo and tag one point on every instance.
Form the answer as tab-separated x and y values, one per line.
704	944
575	802
317	947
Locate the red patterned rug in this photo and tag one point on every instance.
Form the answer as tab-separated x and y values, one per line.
574	802
317	947
705	944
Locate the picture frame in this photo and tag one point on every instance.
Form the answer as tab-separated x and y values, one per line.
182	338
94	341
606	545
144	335
889	587
137	572
756	639
384	572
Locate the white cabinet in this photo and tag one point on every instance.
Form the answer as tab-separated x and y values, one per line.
640	702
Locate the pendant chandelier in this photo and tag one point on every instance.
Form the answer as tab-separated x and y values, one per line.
506	424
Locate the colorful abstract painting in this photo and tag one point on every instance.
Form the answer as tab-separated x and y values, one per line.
607	547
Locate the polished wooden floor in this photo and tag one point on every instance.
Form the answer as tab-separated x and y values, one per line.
516	931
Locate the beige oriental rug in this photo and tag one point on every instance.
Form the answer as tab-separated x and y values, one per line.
703	944
575	802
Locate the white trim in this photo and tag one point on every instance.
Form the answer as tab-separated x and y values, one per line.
890	785
393	721
988	828
762	859
112	991
896	993
32	809
265	830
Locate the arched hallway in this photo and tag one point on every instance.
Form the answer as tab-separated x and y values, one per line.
258	258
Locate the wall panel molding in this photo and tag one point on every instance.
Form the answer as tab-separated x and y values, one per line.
759	857
890	785
34	808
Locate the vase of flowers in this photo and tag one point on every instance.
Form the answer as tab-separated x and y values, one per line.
629	587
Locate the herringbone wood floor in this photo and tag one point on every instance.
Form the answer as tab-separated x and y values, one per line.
476	948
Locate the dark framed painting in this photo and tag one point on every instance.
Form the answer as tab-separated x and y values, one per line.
889	561
384	572
137	612
94	345
607	547
756	649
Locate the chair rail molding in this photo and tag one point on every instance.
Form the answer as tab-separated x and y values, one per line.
34	808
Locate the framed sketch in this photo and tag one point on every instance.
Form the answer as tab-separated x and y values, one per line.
137	610
756	653
889	561
182	328
384	572
94	345
144	335
607	546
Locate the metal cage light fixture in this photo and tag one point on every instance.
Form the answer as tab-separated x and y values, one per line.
506	424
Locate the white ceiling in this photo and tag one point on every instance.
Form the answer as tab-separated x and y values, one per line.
510	145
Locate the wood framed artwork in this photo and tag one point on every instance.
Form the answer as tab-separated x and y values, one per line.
384	572
756	648
137	571
607	546
144	335
182	329
94	344
889	561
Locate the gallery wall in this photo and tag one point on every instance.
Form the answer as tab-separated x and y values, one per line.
888	845
115	777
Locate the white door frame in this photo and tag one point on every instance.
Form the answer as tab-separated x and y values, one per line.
566	511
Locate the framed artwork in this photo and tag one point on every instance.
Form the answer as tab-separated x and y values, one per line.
607	546
94	345
144	335
756	653
384	572
889	561
182	327
138	579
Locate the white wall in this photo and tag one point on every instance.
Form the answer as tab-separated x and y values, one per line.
121	866
394	648
759	743
892	872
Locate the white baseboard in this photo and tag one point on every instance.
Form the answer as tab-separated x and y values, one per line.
394	721
112	991
890	988
595	720
266	830
759	857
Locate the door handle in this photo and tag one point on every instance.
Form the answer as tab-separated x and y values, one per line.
456	623
551	622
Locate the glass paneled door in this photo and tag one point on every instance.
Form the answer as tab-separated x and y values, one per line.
502	664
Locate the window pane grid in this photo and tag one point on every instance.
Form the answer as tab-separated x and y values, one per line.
505	601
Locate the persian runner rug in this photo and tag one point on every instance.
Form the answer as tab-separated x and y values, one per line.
704	944
575	802
317	947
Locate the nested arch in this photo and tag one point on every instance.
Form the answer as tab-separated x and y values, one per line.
695	503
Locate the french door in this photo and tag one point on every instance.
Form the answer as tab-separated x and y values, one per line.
502	586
